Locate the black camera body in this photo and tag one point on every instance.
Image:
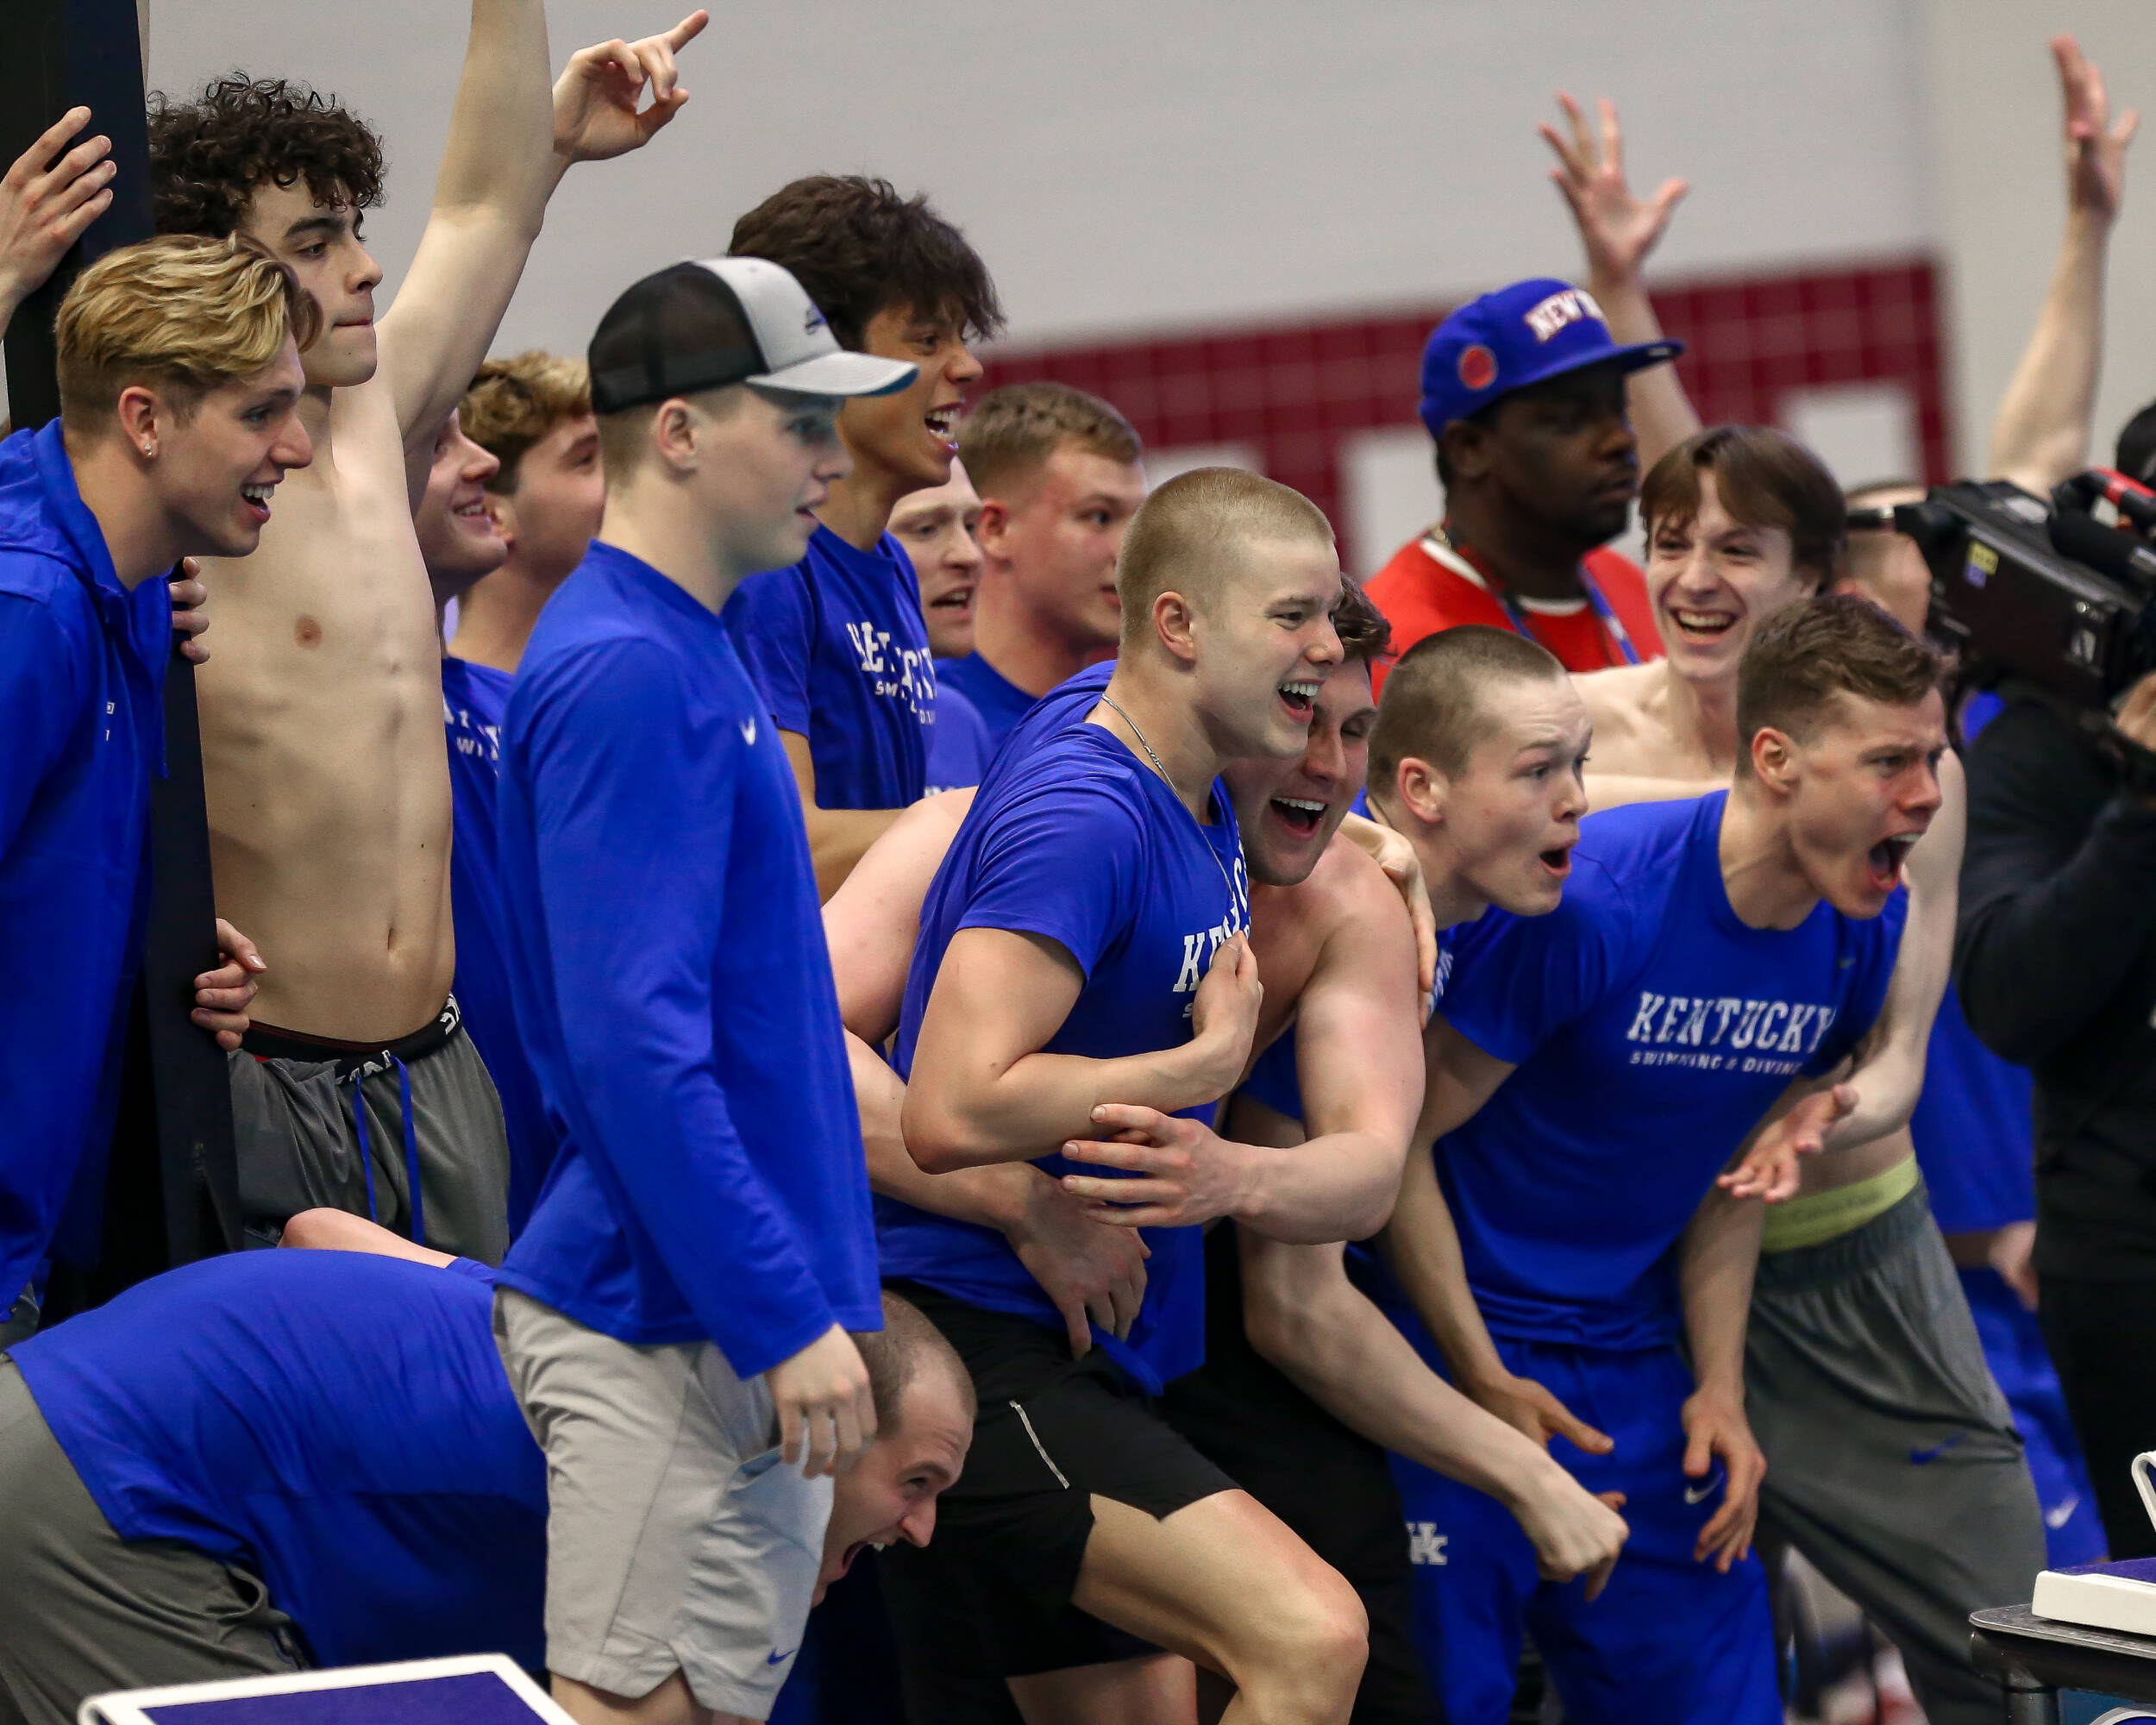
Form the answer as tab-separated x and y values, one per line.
2042	592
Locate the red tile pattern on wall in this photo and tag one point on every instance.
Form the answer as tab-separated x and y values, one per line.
1295	391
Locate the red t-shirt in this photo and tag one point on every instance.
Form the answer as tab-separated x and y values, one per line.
1427	586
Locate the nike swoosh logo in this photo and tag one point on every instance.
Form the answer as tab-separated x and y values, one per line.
2060	1514
1919	1457
1699	1494
776	1658
748	732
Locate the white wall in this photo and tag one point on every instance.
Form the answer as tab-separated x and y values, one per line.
1132	163
1995	138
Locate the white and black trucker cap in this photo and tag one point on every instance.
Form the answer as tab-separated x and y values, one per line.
721	321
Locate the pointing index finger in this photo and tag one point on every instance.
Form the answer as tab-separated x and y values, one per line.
687	30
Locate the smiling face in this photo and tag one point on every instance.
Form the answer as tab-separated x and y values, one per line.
890	1494
1713	580
1862	788
1264	644
550	513
457	538
936	528
912	435
1562	453
1061	532
1512	813
1289	810
216	471
321	243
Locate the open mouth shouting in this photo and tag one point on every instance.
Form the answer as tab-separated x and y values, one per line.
1300	696
942	424
1556	862
1886	860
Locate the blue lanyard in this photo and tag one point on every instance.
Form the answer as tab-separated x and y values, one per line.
1611	626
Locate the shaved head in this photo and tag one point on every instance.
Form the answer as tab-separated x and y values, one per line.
1436	705
1186	537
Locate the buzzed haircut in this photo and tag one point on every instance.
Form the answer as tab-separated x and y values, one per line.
1364	632
209	156
857	246
1185	530
1009	435
1764	478
895	1355
514	403
1434	708
182	314
1805	656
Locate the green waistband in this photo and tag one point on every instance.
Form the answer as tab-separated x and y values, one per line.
1826	1215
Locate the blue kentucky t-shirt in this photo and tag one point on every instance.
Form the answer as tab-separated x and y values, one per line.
472	698
1652	1029
336	1423
1075	838
837	646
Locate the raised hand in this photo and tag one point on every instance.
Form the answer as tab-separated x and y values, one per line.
2096	148
1618	228
45	205
1770	1169
595	112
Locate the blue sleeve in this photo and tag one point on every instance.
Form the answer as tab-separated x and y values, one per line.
41	694
772	619
1064	861
1878	943
633	805
1517	981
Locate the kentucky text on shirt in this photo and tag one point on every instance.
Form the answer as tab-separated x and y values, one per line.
1776	1027
908	674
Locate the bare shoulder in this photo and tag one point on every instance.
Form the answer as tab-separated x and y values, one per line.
1620	695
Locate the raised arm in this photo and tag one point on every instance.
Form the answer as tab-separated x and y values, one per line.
2041	434
1358	1060
47	199
512	135
1618	230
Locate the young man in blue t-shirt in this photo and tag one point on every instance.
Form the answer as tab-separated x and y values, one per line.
220	1473
1083	943
836	642
1592	1075
179	385
675	1315
461	546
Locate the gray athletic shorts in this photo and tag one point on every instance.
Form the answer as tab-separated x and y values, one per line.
83	1611
1892	1460
299	1141
676	1538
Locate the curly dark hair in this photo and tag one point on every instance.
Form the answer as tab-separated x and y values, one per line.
858	247
208	156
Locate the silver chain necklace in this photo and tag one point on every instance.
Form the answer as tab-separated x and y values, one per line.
1109	701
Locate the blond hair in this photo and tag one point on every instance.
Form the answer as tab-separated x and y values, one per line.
513	403
1185	532
183	314
1010	435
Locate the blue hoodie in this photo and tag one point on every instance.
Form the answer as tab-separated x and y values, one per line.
82	681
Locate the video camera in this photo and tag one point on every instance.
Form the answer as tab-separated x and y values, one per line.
2043	592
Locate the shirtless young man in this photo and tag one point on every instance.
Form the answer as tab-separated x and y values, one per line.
1743	523
327	783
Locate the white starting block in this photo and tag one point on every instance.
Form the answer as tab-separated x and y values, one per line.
479	1688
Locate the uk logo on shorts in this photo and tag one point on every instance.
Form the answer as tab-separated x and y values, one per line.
1478	367
1426	1545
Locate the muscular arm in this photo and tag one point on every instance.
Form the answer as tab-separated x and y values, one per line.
839	838
983	1091
2041	434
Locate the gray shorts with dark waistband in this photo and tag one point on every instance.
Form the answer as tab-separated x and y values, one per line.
1892	1460
349	1126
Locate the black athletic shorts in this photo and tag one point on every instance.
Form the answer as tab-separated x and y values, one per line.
992	1591
1330	1485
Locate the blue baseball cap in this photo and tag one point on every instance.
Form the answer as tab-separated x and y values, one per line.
1517	336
